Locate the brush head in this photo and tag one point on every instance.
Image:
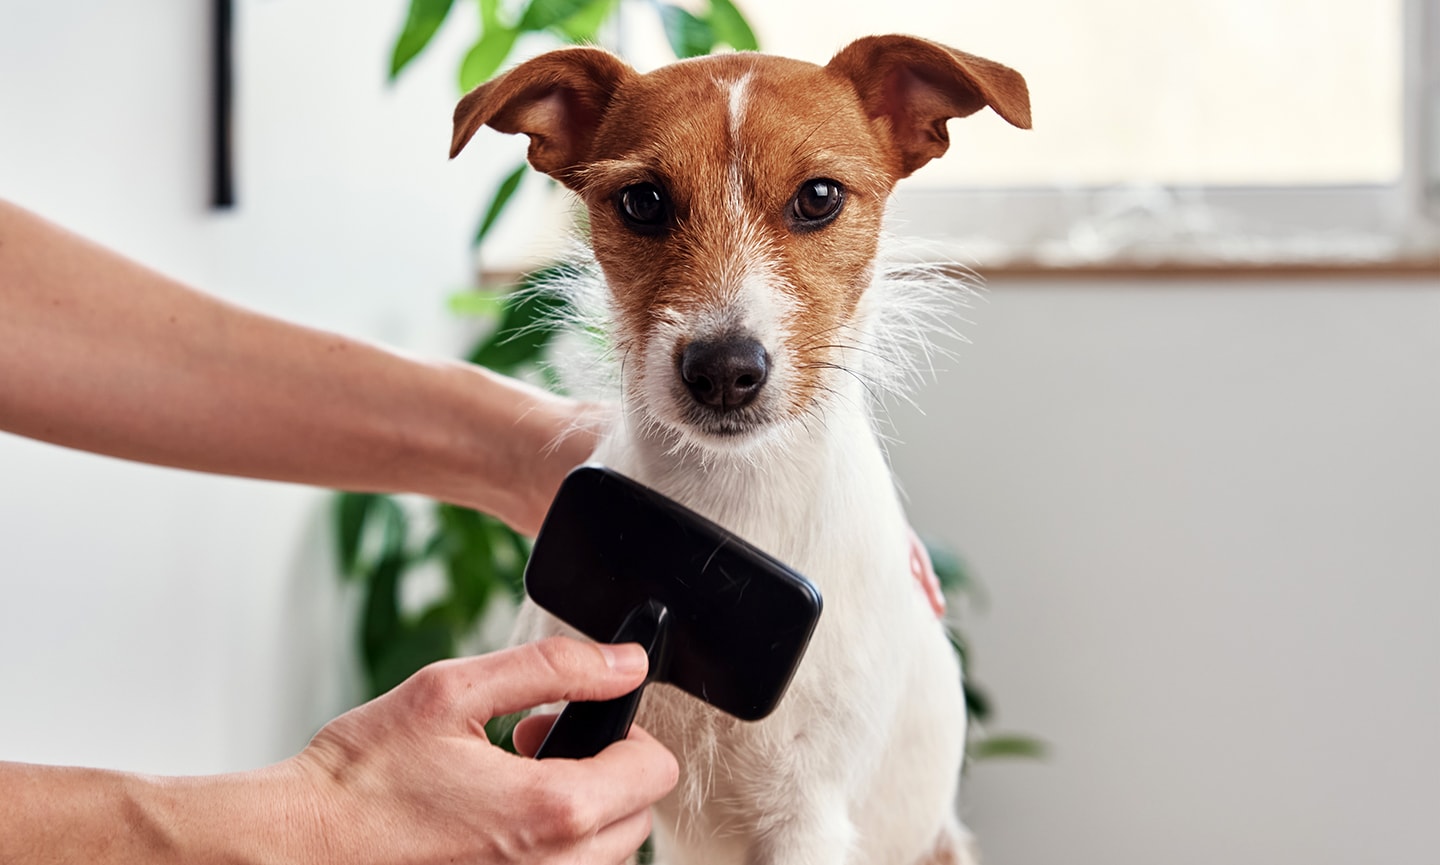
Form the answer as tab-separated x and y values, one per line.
739	620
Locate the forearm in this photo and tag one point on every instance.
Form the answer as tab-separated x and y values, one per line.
66	815
100	353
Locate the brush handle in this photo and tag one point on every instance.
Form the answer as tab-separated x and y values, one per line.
586	729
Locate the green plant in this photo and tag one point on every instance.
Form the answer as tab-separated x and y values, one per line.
957	583
385	541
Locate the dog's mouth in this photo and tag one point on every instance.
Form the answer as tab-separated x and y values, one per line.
730	427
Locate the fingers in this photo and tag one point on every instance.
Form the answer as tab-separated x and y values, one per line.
558	668
596	809
530	733
628	776
558	836
619	841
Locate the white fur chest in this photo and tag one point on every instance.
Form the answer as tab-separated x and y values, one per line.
827	508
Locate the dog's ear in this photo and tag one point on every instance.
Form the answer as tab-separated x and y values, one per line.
558	99
917	85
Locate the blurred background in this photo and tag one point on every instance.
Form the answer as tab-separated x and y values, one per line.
1189	447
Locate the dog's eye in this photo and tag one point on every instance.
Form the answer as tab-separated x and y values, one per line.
816	204
644	206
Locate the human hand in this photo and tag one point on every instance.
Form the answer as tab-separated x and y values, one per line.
411	777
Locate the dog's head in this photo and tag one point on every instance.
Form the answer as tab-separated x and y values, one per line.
735	205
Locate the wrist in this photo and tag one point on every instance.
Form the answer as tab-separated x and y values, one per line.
264	817
511	447
555	435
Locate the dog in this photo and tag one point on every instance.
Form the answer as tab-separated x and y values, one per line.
735	205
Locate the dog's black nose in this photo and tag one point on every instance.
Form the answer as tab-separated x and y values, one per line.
726	373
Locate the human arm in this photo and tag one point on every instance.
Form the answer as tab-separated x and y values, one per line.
100	353
408	777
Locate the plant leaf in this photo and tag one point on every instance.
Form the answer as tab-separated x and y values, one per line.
584	25
948	567
380	619
961	647
512	551
541	14
469	559
411	649
501	731
503	193
731	27
688	36
532	316
977	702
352	511
381	616
1010	745
421	23
395	527
476	303
486	56
489	13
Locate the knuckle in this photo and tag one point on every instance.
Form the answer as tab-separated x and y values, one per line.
435	687
565	816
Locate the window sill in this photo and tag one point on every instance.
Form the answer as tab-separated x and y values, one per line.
1419	270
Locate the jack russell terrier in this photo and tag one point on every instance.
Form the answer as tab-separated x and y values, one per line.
735	206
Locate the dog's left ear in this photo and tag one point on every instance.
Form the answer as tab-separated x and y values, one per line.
917	85
558	99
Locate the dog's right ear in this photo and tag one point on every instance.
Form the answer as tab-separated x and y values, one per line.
558	99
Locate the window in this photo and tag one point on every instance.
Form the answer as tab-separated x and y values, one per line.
1188	131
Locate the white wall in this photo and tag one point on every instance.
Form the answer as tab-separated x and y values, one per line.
1208	518
1206	514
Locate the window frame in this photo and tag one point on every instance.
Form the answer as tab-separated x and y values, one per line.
1381	227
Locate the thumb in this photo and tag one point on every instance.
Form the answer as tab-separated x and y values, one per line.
557	668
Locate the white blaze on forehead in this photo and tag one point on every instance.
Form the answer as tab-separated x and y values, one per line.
756	301
735	114
737	90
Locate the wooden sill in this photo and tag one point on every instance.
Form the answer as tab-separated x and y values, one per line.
1414	270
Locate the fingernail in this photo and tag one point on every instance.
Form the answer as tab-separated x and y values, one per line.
625	658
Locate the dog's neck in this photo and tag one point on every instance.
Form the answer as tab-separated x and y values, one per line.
812	493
